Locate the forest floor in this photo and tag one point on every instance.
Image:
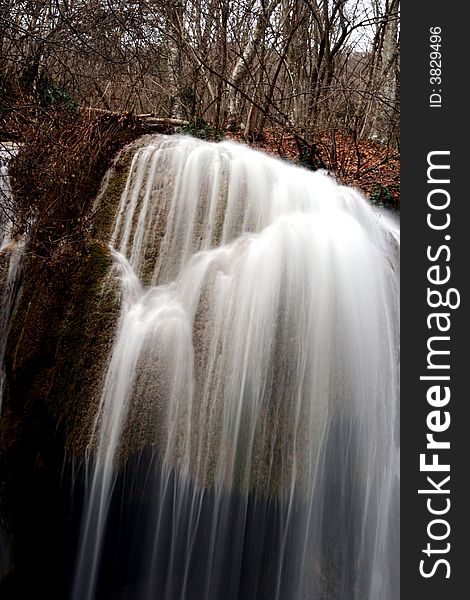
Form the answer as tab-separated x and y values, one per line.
368	165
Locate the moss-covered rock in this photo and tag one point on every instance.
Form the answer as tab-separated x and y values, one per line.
59	339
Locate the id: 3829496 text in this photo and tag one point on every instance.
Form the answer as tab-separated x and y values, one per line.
435	67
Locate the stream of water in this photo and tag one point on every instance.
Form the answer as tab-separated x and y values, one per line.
246	444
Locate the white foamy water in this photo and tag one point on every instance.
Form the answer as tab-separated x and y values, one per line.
11	252
257	361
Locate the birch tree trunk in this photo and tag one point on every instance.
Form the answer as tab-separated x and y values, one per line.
245	60
381	112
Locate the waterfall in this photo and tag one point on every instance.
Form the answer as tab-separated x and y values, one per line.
246	442
11	252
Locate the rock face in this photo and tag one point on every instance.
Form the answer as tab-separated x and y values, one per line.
56	330
56	342
224	348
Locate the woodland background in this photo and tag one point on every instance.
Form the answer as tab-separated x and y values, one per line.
314	81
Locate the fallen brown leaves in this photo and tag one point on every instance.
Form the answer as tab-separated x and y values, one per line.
372	167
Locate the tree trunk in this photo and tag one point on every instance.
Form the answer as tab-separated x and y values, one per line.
381	114
245	60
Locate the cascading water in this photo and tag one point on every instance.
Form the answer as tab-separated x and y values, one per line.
246	443
11	251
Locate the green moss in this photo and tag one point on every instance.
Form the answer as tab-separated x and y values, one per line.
83	347
384	196
108	200
59	342
202	130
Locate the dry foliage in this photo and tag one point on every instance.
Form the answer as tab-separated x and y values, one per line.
365	164
57	173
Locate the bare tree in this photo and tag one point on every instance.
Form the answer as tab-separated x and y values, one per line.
308	67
